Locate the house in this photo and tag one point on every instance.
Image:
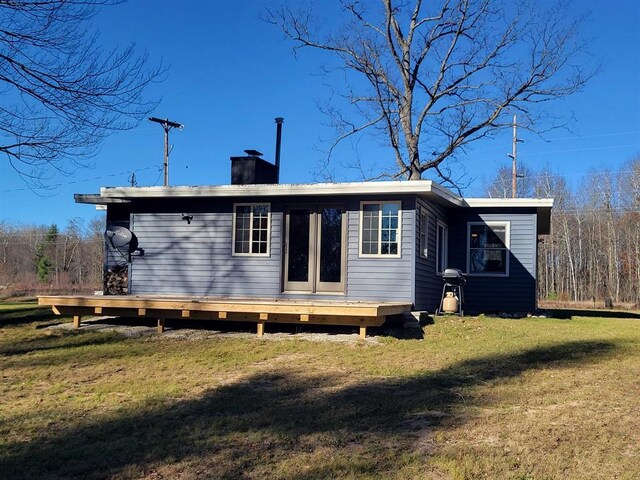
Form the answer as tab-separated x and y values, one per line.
338	242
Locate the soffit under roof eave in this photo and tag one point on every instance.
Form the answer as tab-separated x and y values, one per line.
509	202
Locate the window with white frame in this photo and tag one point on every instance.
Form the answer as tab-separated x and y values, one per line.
251	228
442	239
423	227
488	248
380	228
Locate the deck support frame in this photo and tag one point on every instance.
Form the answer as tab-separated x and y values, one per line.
260	311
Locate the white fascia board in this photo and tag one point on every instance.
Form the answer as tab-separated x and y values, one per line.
508	202
417	187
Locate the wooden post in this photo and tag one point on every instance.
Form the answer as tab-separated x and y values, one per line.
160	325
363	332
76	321
260	329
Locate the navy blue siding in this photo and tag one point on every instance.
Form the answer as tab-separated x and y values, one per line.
428	285
498	294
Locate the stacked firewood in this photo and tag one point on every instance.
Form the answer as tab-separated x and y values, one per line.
116	280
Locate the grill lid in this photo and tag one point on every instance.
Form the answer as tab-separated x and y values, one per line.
454	276
452	273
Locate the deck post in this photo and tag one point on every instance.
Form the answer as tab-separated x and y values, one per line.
76	321
363	332
160	325
260	329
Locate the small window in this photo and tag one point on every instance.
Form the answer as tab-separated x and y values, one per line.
380	229
251	229
423	228
442	239
488	248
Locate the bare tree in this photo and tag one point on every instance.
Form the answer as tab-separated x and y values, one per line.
436	76
500	186
61	92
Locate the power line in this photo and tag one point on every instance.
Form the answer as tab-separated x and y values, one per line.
71	182
576	138
543	175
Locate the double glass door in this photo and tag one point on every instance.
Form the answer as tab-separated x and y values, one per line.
315	253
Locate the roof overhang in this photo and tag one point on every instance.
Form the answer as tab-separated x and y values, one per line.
543	208
423	188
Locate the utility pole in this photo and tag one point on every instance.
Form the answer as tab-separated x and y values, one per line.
514	159
166	125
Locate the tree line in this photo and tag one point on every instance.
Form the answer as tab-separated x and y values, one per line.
36	259
593	251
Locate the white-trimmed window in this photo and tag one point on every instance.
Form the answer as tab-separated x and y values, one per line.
423	228
442	240
380	229
251	228
488	248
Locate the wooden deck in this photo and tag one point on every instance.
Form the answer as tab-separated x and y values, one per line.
261	311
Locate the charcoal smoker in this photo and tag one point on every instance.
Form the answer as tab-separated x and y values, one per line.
454	281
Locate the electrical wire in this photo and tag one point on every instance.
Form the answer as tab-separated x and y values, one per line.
72	182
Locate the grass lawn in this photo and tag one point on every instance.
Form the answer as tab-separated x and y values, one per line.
475	398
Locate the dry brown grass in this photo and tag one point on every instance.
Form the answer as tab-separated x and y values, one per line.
476	398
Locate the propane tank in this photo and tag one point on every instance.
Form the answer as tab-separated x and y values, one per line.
450	304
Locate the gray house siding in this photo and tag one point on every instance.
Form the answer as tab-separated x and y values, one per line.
196	259
380	278
517	292
428	285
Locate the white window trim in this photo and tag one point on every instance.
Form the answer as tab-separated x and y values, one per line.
507	238
398	232
423	214
233	230
445	247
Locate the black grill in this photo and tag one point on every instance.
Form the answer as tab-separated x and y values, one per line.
454	276
454	281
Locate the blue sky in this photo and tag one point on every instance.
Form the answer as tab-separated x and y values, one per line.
230	74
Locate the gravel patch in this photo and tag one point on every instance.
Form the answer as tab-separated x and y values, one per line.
129	330
100	324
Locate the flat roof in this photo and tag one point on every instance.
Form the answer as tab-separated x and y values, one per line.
419	187
424	188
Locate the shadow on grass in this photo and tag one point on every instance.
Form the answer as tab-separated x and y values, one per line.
245	429
21	315
68	341
567	313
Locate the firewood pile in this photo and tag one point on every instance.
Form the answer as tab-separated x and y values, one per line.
116	280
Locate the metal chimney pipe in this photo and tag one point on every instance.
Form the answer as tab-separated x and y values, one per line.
279	122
